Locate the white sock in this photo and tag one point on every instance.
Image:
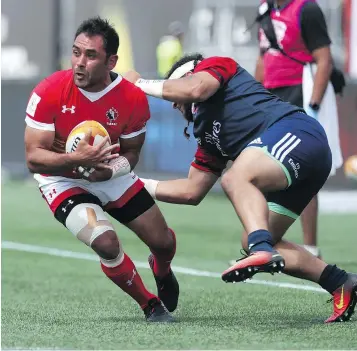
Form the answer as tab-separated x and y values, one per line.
314	250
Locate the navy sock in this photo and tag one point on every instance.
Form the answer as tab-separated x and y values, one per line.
260	240
332	278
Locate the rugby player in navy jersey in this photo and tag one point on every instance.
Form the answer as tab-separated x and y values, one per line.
281	159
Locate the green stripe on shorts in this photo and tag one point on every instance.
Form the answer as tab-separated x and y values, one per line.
285	170
281	210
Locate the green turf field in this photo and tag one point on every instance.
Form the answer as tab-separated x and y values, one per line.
52	302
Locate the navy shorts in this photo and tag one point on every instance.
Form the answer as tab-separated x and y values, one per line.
299	144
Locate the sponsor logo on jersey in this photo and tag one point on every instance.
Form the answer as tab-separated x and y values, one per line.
214	137
112	116
32	105
68	109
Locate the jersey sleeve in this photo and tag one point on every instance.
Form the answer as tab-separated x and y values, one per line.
208	163
221	68
40	110
138	119
313	27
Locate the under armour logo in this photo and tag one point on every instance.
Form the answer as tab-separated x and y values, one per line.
71	109
130	282
64	208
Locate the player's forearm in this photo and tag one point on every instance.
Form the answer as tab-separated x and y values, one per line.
322	77
172	191
45	161
183	90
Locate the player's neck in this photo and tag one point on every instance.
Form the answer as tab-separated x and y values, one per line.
100	86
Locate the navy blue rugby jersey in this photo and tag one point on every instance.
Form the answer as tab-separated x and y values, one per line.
239	112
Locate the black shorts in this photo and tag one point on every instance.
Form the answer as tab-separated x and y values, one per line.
135	207
292	94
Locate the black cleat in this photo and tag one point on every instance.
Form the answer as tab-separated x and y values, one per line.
168	288
156	312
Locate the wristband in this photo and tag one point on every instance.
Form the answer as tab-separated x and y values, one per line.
151	186
120	166
151	86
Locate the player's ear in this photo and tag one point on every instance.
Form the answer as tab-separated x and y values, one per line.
112	61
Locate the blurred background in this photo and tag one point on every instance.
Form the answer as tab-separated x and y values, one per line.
37	41
53	293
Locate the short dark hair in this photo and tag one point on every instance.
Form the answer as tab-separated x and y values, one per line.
99	26
187	58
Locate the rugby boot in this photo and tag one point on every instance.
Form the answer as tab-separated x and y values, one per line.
156	312
168	288
344	300
256	262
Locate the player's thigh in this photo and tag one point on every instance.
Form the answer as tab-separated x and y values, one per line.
256	166
83	216
292	201
278	226
299	147
141	215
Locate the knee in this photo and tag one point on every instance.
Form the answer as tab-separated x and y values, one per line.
226	181
166	242
231	180
107	245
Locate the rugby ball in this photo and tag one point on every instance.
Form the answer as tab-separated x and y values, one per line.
79	131
350	167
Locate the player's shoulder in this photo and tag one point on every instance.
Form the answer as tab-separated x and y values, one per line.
131	91
215	61
51	85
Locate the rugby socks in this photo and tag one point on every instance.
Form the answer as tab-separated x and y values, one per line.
332	278
314	250
163	258
128	279
260	240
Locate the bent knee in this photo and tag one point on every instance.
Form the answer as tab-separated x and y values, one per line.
235	178
166	241
89	224
107	245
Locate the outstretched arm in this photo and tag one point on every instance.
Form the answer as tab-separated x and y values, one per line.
196	87
188	191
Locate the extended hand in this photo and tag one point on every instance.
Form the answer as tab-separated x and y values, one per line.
132	76
90	156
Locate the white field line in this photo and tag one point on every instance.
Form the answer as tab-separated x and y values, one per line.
9	245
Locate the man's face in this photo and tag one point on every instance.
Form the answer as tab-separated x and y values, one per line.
90	64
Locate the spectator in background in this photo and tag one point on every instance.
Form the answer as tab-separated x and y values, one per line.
169	49
301	31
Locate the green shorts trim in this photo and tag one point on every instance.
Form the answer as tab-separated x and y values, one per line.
265	150
282	210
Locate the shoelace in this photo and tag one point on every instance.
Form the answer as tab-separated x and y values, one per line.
244	255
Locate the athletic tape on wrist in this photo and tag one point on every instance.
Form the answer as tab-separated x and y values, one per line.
153	87
120	166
